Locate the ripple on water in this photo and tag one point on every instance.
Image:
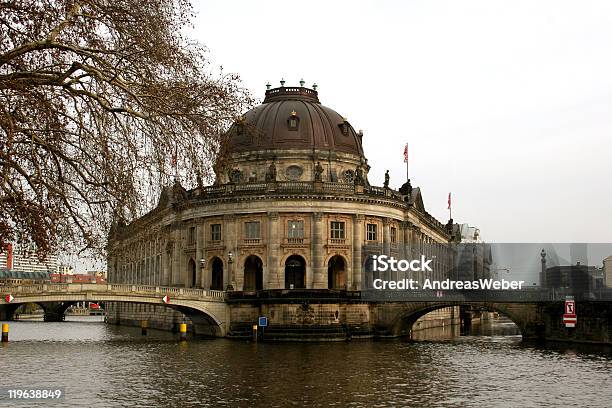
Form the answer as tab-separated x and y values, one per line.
101	365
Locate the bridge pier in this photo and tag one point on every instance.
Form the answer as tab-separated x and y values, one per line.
55	311
7	312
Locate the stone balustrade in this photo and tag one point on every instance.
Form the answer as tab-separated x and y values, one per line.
119	289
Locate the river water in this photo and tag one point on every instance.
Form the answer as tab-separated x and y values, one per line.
99	365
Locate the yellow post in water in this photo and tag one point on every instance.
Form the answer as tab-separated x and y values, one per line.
144	324
183	331
5	331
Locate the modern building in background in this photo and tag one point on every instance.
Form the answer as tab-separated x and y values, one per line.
607	271
19	265
473	256
576	278
22	266
24	259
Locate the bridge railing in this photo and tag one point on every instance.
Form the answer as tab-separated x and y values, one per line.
120	287
53	288
529	295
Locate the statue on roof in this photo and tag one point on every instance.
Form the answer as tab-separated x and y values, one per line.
386	185
271	173
179	194
359	180
406	189
318	176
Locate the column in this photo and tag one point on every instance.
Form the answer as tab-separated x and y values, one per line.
406	227
415	248
200	272
358	220
386	248
164	262
176	251
230	239
316	276
112	274
386	236
273	278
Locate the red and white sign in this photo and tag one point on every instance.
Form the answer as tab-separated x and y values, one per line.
9	298
166	299
570	307
570	320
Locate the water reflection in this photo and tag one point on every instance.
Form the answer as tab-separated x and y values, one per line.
102	365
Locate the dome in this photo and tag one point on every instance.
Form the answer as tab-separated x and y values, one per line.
293	118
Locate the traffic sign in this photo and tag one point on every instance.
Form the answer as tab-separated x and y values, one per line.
570	307
166	299
9	298
570	320
263	321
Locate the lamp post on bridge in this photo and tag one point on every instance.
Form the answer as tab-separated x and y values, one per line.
202	271
230	261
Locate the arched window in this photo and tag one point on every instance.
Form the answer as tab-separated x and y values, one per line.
191	274
344	127
253	273
295	272
217	274
336	273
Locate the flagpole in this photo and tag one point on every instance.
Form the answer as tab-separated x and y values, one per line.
407	176
406	161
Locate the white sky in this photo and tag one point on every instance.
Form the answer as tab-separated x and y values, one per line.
505	103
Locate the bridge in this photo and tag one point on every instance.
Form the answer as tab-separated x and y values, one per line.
537	312
206	309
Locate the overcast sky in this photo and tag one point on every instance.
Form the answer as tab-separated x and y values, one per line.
505	103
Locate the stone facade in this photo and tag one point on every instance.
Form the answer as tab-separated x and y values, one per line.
169	248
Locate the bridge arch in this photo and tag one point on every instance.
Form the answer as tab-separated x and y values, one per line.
402	324
52	310
208	318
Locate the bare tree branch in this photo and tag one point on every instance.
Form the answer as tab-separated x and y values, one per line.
96	99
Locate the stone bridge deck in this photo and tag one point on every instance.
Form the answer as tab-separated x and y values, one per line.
206	308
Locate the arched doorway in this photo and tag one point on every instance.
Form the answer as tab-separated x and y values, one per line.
336	273
367	277
253	273
216	274
295	272
191	274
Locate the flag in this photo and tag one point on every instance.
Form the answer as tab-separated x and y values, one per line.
406	153
449	201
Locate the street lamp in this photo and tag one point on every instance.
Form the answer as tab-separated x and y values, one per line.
202	271
230	261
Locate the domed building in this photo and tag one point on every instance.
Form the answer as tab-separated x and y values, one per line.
288	228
